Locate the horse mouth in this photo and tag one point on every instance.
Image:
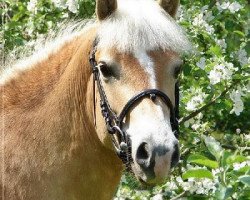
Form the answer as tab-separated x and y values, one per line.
146	184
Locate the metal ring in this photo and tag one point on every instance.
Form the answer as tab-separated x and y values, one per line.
118	129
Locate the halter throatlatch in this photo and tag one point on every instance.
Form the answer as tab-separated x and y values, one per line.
114	122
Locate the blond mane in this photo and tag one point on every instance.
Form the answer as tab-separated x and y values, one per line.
142	25
24	57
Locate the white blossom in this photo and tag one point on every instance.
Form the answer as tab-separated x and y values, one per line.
187	186
208	16
32	6
238	131
242	57
198	185
188	122
247	138
224	5
217	171
195	101
123	179
200	22
72	5
179	179
200	189
208	28
222	71
157	197
238	166
171	185
196	140
238	105
232	7
60	3
195	126
214	77
222	43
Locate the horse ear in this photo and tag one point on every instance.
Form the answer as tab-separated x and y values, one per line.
170	6
104	8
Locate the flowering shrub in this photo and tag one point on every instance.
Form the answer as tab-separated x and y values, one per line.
215	162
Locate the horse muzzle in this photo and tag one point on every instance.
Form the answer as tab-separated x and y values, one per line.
152	163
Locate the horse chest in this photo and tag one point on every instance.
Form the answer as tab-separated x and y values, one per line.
73	178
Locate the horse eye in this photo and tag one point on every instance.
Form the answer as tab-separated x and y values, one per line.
105	70
177	71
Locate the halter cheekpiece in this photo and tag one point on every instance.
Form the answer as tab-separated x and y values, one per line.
114	122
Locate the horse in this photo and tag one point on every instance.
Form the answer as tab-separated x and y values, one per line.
57	142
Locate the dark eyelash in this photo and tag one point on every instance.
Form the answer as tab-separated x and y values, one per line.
105	70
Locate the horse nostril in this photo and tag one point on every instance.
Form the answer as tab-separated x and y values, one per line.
175	156
142	154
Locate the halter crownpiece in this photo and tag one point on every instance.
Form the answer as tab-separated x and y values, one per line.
114	122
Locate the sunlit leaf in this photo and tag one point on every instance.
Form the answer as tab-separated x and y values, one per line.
202	160
236	159
197	173
239	33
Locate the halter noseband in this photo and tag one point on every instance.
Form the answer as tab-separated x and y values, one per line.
114	122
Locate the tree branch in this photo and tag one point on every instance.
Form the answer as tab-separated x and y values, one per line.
179	196
213	101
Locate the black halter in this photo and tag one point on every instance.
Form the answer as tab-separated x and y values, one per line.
114	122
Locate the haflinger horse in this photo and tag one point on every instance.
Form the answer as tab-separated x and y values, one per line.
58	142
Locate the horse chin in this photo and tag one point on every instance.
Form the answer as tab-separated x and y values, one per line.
150	183
146	185
147	181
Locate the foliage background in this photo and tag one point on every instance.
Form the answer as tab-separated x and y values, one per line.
215	162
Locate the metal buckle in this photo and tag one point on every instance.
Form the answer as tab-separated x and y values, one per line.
117	129
123	145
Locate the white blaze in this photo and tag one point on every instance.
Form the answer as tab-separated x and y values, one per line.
148	65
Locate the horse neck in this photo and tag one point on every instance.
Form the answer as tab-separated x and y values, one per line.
59	87
76	91
48	108
76	88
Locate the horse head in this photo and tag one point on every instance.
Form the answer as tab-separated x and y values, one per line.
137	51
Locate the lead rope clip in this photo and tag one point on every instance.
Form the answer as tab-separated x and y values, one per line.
123	146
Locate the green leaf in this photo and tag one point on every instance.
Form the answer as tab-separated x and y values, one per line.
222	193
236	159
245	179
213	146
244	169
240	33
197	173
187	70
225	156
215	50
202	160
245	194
